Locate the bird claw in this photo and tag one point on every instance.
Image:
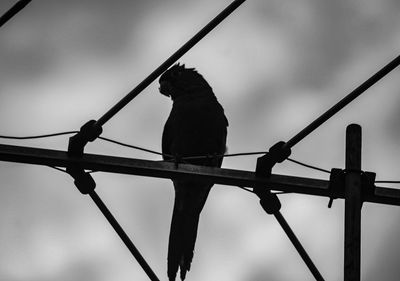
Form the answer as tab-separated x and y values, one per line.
177	160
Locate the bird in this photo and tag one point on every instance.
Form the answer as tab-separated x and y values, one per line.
196	126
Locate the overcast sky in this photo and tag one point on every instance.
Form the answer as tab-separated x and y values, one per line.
274	66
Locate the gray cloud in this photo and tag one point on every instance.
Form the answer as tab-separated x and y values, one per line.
274	65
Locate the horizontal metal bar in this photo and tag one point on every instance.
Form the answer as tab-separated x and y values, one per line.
162	169
384	195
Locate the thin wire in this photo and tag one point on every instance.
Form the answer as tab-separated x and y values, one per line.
282	192
171	156
134	147
309	166
275	192
255	153
74	132
223	155
397	182
245	153
38	136
64	171
58	169
245	189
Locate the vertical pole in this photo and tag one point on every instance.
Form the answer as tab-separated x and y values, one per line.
353	203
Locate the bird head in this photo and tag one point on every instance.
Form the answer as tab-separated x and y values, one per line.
179	81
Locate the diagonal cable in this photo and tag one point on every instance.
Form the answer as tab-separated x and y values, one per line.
299	247
13	11
124	237
173	58
343	102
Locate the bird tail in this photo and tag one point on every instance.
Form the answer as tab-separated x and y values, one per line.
182	240
190	198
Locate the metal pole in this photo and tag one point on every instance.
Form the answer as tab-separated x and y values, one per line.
342	103
353	204
124	237
167	170
173	58
13	11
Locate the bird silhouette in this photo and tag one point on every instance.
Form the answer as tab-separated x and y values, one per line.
196	126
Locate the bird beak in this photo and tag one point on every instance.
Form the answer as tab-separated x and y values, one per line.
164	88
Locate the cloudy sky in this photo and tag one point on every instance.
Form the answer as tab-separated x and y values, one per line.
274	65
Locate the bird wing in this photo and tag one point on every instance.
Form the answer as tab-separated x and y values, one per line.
195	127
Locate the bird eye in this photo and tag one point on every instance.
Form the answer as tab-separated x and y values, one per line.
176	74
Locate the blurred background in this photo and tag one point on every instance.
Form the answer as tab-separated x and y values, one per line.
274	65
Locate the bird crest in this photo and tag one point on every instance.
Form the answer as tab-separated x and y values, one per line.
179	81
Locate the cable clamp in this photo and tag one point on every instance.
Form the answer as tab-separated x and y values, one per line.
268	200
88	132
82	180
337	184
276	154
